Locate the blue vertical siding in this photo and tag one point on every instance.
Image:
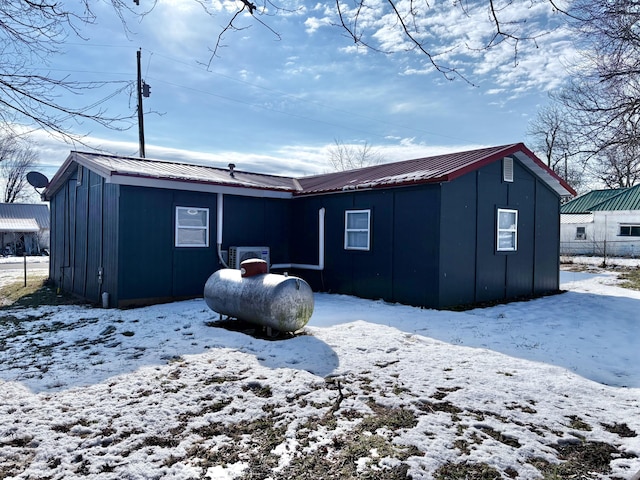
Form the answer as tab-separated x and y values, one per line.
432	245
547	245
145	238
153	269
401	265
471	270
458	252
520	264
490	265
80	238
372	269
94	238
64	236
110	235
191	267
416	234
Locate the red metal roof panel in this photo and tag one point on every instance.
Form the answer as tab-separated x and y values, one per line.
421	170
439	168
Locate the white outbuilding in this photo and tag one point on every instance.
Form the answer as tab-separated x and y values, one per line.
602	222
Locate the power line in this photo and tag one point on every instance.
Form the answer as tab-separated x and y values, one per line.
314	102
201	67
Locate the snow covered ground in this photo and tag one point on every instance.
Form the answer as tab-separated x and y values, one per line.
371	390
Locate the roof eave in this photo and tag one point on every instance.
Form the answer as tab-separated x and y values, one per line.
62	175
127	178
198	185
551	178
530	160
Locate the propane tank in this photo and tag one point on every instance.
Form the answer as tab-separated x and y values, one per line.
279	302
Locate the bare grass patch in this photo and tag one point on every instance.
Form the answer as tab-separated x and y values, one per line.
38	291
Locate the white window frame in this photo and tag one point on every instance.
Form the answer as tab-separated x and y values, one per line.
581	235
179	227
348	230
512	229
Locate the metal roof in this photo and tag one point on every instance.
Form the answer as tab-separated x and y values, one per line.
149	172
21	225
628	199
23	217
605	200
440	168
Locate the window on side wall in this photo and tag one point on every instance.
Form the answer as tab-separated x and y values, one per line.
357	229
629	231
581	233
192	227
507	236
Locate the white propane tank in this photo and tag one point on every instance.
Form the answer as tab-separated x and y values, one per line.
277	301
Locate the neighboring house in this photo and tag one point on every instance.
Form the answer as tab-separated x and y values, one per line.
24	228
602	222
448	230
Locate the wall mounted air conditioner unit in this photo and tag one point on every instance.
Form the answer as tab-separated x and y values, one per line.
237	255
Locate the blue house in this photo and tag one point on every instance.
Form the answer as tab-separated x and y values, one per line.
437	232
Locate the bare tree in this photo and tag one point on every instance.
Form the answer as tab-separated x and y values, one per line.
17	158
552	138
30	33
343	156
595	120
604	95
618	167
396	26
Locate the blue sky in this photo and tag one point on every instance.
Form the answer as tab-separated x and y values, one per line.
275	105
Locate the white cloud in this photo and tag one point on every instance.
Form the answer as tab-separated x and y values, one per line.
408	148
540	66
355	49
287	160
312	24
458	38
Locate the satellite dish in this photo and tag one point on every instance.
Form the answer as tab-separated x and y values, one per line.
37	180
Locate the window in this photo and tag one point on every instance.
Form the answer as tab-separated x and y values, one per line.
357	225
581	233
192	227
507	230
629	231
79	176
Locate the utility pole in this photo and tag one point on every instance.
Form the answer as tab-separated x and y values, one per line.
140	114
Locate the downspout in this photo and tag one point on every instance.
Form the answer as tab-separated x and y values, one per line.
219	229
304	266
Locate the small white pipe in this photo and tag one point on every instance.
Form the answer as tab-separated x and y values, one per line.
280	266
219	219
304	266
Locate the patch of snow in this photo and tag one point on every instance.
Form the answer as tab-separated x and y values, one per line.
87	392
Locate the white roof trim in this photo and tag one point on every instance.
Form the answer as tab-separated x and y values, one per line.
195	187
575	218
18	225
544	174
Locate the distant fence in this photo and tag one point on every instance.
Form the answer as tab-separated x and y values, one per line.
604	248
